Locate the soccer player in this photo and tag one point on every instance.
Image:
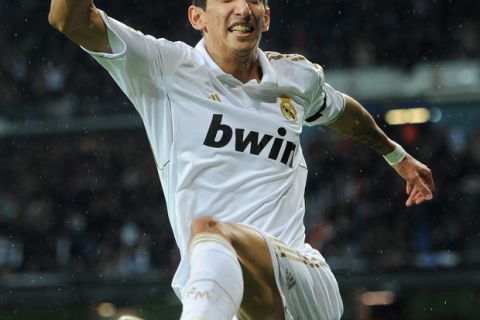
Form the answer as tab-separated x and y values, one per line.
224	120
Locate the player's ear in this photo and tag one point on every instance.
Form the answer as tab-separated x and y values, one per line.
266	20
196	17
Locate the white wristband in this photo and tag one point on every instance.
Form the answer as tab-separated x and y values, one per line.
396	156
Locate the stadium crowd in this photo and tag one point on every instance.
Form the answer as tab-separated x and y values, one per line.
43	75
93	203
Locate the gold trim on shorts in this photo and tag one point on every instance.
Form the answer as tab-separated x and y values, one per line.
284	251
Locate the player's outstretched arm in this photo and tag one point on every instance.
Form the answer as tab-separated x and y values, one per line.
80	21
357	123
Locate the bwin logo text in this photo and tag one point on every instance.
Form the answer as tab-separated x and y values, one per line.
220	134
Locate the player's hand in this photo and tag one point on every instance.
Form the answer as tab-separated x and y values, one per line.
420	185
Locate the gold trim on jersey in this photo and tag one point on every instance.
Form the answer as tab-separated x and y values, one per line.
288	109
291	56
298	58
274	56
271	55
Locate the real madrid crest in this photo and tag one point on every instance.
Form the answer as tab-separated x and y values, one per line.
288	109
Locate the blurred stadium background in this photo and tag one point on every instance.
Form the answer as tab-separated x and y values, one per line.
83	228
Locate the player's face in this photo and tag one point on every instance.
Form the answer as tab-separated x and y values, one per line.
232	24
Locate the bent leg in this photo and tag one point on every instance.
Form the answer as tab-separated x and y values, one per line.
261	299
215	287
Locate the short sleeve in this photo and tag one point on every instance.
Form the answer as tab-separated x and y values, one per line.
135	55
327	104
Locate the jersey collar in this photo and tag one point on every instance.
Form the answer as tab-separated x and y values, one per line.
269	75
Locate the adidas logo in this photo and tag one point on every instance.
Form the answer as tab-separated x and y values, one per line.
290	280
214	97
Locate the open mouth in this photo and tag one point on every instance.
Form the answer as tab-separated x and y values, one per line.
241	28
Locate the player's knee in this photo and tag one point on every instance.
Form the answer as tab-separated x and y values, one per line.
206	224
210	225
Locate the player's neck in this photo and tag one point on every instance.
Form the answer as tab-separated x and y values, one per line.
244	67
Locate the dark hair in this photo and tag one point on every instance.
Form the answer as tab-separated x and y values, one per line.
203	3
200	3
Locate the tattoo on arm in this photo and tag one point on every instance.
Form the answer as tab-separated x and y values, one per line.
368	137
358	124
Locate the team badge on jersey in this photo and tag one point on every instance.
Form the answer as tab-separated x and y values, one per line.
288	109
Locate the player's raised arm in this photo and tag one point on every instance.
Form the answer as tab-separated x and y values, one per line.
357	123
80	21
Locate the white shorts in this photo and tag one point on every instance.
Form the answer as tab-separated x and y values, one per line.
307	286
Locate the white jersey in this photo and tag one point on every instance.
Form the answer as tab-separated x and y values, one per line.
222	147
